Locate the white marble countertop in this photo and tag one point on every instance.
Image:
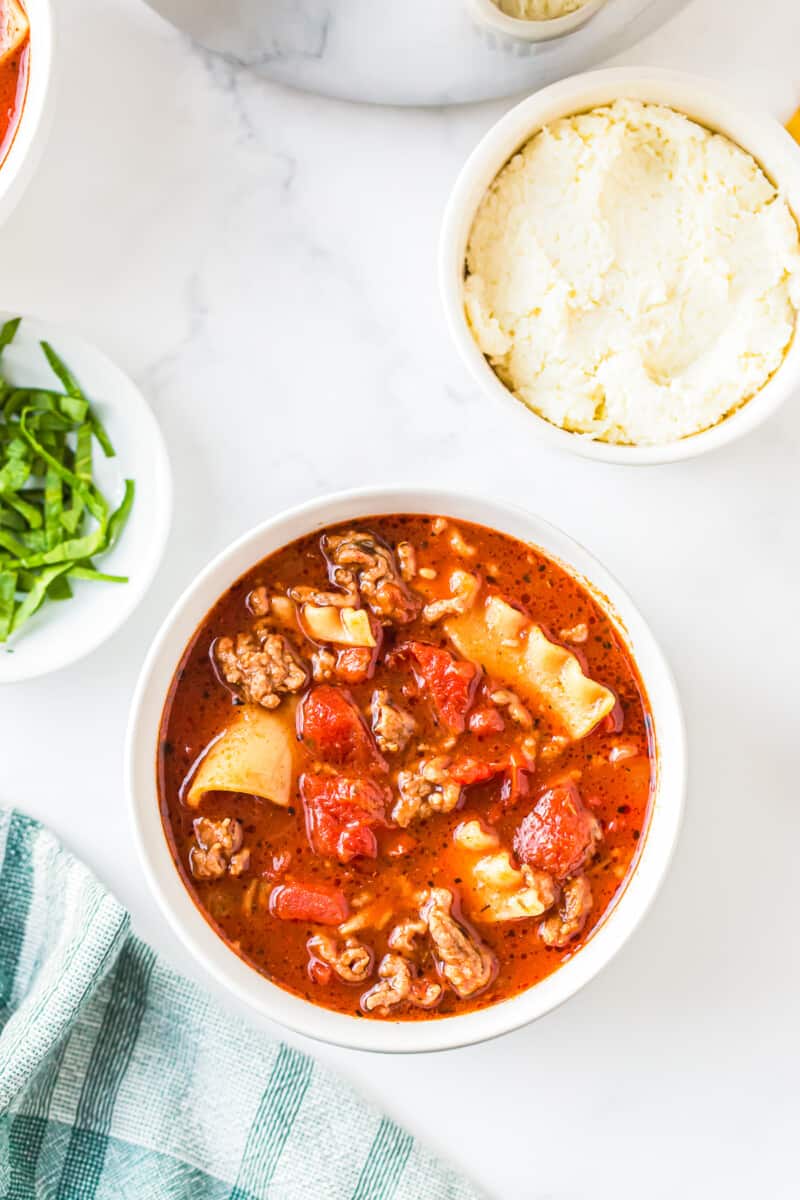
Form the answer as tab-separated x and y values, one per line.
262	262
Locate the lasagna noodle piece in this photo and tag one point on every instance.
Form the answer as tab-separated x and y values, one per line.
518	653
254	755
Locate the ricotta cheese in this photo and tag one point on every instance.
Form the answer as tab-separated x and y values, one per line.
538	10
633	276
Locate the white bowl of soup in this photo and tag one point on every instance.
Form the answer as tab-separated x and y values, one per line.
619	265
405	767
26	68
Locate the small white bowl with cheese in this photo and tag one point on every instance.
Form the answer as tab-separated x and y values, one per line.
620	265
534	20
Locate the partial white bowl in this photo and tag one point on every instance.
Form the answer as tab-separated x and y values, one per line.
706	102
527	30
186	919
34	122
61	633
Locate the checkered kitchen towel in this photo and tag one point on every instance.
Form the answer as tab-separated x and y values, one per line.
119	1080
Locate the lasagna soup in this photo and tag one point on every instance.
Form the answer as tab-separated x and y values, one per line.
405	766
14	51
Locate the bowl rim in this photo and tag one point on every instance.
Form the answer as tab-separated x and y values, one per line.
702	100
530	29
30	135
174	899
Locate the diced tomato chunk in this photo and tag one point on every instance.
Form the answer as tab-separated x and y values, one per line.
560	834
336	731
613	721
319	972
356	664
468	770
450	681
341	813
307	902
357	841
486	719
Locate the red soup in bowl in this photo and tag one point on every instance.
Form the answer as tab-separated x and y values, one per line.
405	766
14	54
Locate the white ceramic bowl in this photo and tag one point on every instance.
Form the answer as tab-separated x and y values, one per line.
758	133
187	920
34	122
527	30
60	634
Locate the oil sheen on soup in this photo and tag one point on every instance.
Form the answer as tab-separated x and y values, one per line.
405	766
14	54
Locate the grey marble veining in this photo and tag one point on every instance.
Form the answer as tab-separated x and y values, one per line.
262	262
411	52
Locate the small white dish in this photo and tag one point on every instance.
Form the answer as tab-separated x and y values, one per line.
529	30
705	102
62	632
34	121
186	919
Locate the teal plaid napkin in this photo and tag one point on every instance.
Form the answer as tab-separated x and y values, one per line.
119	1079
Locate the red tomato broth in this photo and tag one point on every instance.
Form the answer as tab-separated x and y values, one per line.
198	707
13	89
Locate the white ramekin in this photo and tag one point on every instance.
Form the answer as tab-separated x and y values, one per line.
526	30
186	919
34	122
706	102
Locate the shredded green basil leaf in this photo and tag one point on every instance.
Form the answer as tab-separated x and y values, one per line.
54	519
